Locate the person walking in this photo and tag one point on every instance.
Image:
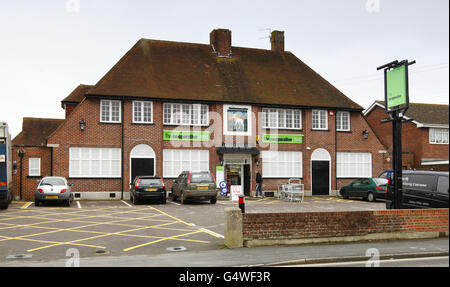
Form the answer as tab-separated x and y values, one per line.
259	182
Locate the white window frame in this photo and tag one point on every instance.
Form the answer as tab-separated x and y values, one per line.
181	119
271	118
90	166
432	134
110	112
176	161
249	120
340	121
141	120
320	113
275	161
353	164
34	171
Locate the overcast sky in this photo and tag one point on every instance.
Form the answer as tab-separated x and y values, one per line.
48	47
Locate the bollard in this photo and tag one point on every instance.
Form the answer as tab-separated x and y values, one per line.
242	203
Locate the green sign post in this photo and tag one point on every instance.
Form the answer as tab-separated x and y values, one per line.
396	102
397	88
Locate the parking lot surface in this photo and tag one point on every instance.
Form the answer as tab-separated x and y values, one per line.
115	228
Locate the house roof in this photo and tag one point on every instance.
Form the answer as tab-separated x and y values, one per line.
422	114
35	131
77	95
185	71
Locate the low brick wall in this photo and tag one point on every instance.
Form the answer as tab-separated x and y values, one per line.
311	227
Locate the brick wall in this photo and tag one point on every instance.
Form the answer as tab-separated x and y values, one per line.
29	183
280	226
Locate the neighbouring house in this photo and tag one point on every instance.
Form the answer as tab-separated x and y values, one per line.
424	136
166	107
36	161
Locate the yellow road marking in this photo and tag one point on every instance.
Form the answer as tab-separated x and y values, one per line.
159	240
170	216
45	241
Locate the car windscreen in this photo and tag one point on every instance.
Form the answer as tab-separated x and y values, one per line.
149	181
53	181
201	177
380	181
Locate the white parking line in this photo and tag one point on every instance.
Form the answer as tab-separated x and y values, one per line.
174	202
126	203
78	204
212	233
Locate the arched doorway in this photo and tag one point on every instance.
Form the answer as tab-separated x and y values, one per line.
142	161
320	172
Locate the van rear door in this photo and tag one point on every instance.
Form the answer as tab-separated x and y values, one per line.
441	195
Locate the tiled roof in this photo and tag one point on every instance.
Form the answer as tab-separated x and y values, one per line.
175	70
426	113
35	131
77	95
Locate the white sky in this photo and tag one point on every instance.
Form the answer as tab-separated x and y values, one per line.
48	47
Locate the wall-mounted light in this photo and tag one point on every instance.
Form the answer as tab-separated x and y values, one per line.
82	125
257	161
221	161
365	134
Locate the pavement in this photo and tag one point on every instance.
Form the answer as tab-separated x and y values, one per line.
262	256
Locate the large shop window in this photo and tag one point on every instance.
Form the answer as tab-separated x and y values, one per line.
343	121
438	136
34	166
185	114
281	119
281	164
176	161
95	162
354	165
142	112
110	111
319	120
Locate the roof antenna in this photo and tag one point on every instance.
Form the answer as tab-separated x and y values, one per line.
265	29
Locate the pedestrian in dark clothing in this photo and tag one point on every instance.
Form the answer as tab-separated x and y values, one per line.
259	182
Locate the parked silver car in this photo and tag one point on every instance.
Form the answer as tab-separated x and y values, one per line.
53	188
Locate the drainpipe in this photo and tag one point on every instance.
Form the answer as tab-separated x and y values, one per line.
335	153
122	145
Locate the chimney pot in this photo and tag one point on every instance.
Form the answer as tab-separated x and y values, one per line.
277	41
220	40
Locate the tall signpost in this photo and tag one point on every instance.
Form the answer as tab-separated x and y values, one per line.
396	102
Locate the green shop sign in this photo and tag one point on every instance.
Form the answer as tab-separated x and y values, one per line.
185	136
396	87
277	138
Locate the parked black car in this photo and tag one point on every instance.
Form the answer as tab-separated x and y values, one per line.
148	187
421	189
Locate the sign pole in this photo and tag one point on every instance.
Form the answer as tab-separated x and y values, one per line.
396	101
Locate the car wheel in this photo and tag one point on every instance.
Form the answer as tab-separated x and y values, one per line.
4	205
344	194
370	197
134	200
36	203
213	200
164	201
181	198
68	202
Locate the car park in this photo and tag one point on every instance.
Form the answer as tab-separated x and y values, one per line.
370	189
148	187
194	185
53	188
421	189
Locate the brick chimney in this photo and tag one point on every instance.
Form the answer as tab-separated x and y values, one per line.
220	40
277	41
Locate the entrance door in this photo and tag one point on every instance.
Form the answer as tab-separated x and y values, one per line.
320	177
246	179
142	166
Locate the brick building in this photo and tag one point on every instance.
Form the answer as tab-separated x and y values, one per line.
424	138
167	106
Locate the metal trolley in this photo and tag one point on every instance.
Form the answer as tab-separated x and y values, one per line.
292	191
